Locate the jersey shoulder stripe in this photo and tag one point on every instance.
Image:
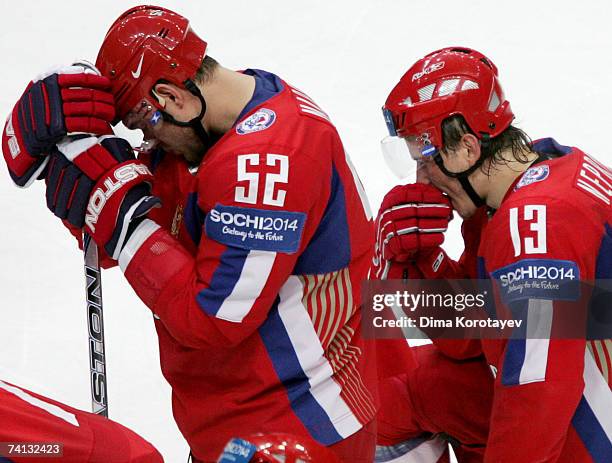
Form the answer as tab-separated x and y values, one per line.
307	106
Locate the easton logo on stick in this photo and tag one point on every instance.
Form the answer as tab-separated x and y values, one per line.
96	346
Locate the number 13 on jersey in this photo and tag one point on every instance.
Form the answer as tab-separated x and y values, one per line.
535	217
249	170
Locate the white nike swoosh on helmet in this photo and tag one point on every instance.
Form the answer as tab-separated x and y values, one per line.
136	73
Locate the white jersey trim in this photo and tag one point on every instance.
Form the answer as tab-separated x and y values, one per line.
253	277
539	323
597	393
139	236
307	345
49	408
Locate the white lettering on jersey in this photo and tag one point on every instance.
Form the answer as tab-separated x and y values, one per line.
307	105
249	194
595	179
272	179
537	215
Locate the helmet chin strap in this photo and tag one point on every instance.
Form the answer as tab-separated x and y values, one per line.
463	176
196	122
467	186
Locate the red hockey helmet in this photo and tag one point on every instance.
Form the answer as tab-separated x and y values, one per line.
451	81
275	448
144	45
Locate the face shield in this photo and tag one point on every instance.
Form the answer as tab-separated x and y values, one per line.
405	155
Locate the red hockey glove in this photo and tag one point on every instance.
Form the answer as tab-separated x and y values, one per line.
410	226
62	101
412	219
430	264
100	184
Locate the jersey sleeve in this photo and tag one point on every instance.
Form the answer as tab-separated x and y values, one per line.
463	269
260	211
534	258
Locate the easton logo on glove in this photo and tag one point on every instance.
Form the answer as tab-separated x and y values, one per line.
97	182
124	174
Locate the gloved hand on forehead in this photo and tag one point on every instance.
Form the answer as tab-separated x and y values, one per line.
59	102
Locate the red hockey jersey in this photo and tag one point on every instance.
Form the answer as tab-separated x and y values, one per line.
252	269
553	400
35	428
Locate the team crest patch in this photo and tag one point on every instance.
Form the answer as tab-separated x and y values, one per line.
256	122
533	175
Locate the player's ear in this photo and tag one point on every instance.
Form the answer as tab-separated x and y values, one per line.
470	144
169	95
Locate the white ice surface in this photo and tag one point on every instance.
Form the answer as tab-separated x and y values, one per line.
554	60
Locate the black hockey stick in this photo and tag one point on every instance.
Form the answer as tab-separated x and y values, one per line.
95	326
95	322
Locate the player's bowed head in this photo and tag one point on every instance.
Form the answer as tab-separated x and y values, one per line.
450	112
165	84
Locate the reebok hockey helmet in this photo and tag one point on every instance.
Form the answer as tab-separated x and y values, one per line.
145	45
448	82
275	448
451	81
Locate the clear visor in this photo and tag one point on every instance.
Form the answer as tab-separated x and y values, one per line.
399	157
405	155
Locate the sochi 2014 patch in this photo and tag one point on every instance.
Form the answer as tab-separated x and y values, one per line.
550	279
256	229
260	120
533	175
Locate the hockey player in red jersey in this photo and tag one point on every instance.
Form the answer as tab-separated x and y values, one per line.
443	396
57	102
70	435
245	231
552	396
